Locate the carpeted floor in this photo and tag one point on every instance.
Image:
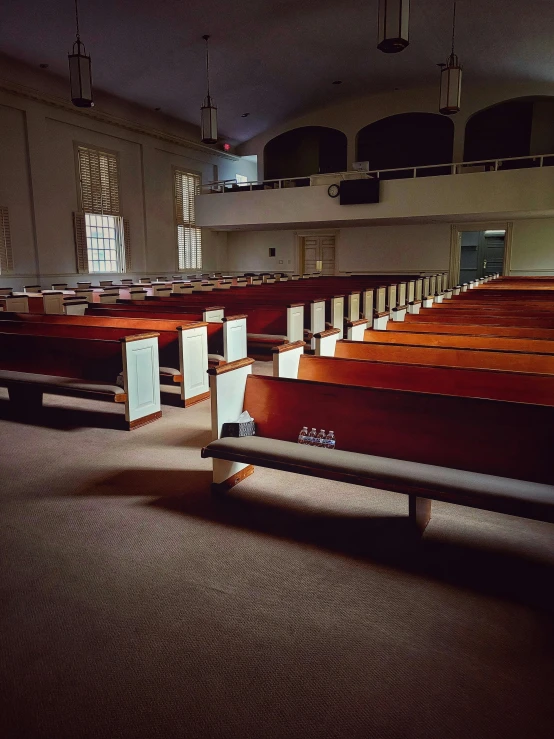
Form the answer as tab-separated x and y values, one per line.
133	606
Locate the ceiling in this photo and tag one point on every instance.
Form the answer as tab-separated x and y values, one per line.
274	59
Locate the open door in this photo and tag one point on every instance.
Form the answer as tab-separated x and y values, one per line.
482	253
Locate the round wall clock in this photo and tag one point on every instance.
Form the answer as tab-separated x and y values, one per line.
333	191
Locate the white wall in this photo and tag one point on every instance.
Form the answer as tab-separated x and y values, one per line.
533	247
38	183
384	249
249	251
410	248
349	116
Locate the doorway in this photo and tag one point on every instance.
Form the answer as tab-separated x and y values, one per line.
318	255
482	253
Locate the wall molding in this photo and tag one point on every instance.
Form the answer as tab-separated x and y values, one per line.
531	272
30	93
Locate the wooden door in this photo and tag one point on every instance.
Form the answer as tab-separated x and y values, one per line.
327	258
319	255
311	255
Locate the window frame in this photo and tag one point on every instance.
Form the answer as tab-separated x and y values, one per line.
119	239
177	224
123	242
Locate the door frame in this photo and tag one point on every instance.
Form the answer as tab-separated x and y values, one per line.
300	236
456	230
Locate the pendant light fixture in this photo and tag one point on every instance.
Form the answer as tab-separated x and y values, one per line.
394	20
80	74
451	79
208	111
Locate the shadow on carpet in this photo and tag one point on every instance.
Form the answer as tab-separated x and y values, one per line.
474	561
63	419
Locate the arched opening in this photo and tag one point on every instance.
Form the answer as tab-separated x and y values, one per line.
305	151
407	140
523	127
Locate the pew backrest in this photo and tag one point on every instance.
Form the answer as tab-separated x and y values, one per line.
458	381
489	436
447	357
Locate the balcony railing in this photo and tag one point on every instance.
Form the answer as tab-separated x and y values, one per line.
427	170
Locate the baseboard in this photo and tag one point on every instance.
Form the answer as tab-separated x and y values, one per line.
137	423
222	487
196	399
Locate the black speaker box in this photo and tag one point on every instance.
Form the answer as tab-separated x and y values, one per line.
357	192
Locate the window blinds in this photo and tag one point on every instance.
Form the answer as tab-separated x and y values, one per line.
6	260
99	179
189	237
80	233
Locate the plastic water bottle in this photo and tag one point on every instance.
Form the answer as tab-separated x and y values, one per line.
320	439
312	438
302	436
330	440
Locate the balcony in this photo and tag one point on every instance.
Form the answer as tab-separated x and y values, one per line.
484	190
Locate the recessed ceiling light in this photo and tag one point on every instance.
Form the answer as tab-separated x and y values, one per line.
43	66
337	82
245	115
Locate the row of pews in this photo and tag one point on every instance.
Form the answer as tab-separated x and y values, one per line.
125	348
453	403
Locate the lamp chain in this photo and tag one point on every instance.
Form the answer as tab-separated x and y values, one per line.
77	20
453	26
208	64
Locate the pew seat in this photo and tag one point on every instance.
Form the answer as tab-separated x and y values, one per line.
60	386
270	339
476	490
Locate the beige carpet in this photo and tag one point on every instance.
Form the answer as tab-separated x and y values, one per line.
134	606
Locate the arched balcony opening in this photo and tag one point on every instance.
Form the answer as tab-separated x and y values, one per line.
305	151
522	127
405	141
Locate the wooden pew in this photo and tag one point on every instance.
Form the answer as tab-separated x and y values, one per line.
32	365
474	329
447	356
495	456
183	348
462	341
462	382
226	336
267	326
463	318
211	314
19	303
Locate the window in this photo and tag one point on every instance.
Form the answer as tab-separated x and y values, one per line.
6	262
189	237
241	179
101	234
104	243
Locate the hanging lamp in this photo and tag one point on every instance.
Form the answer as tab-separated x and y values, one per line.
208	111
451	79
394	20
80	73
